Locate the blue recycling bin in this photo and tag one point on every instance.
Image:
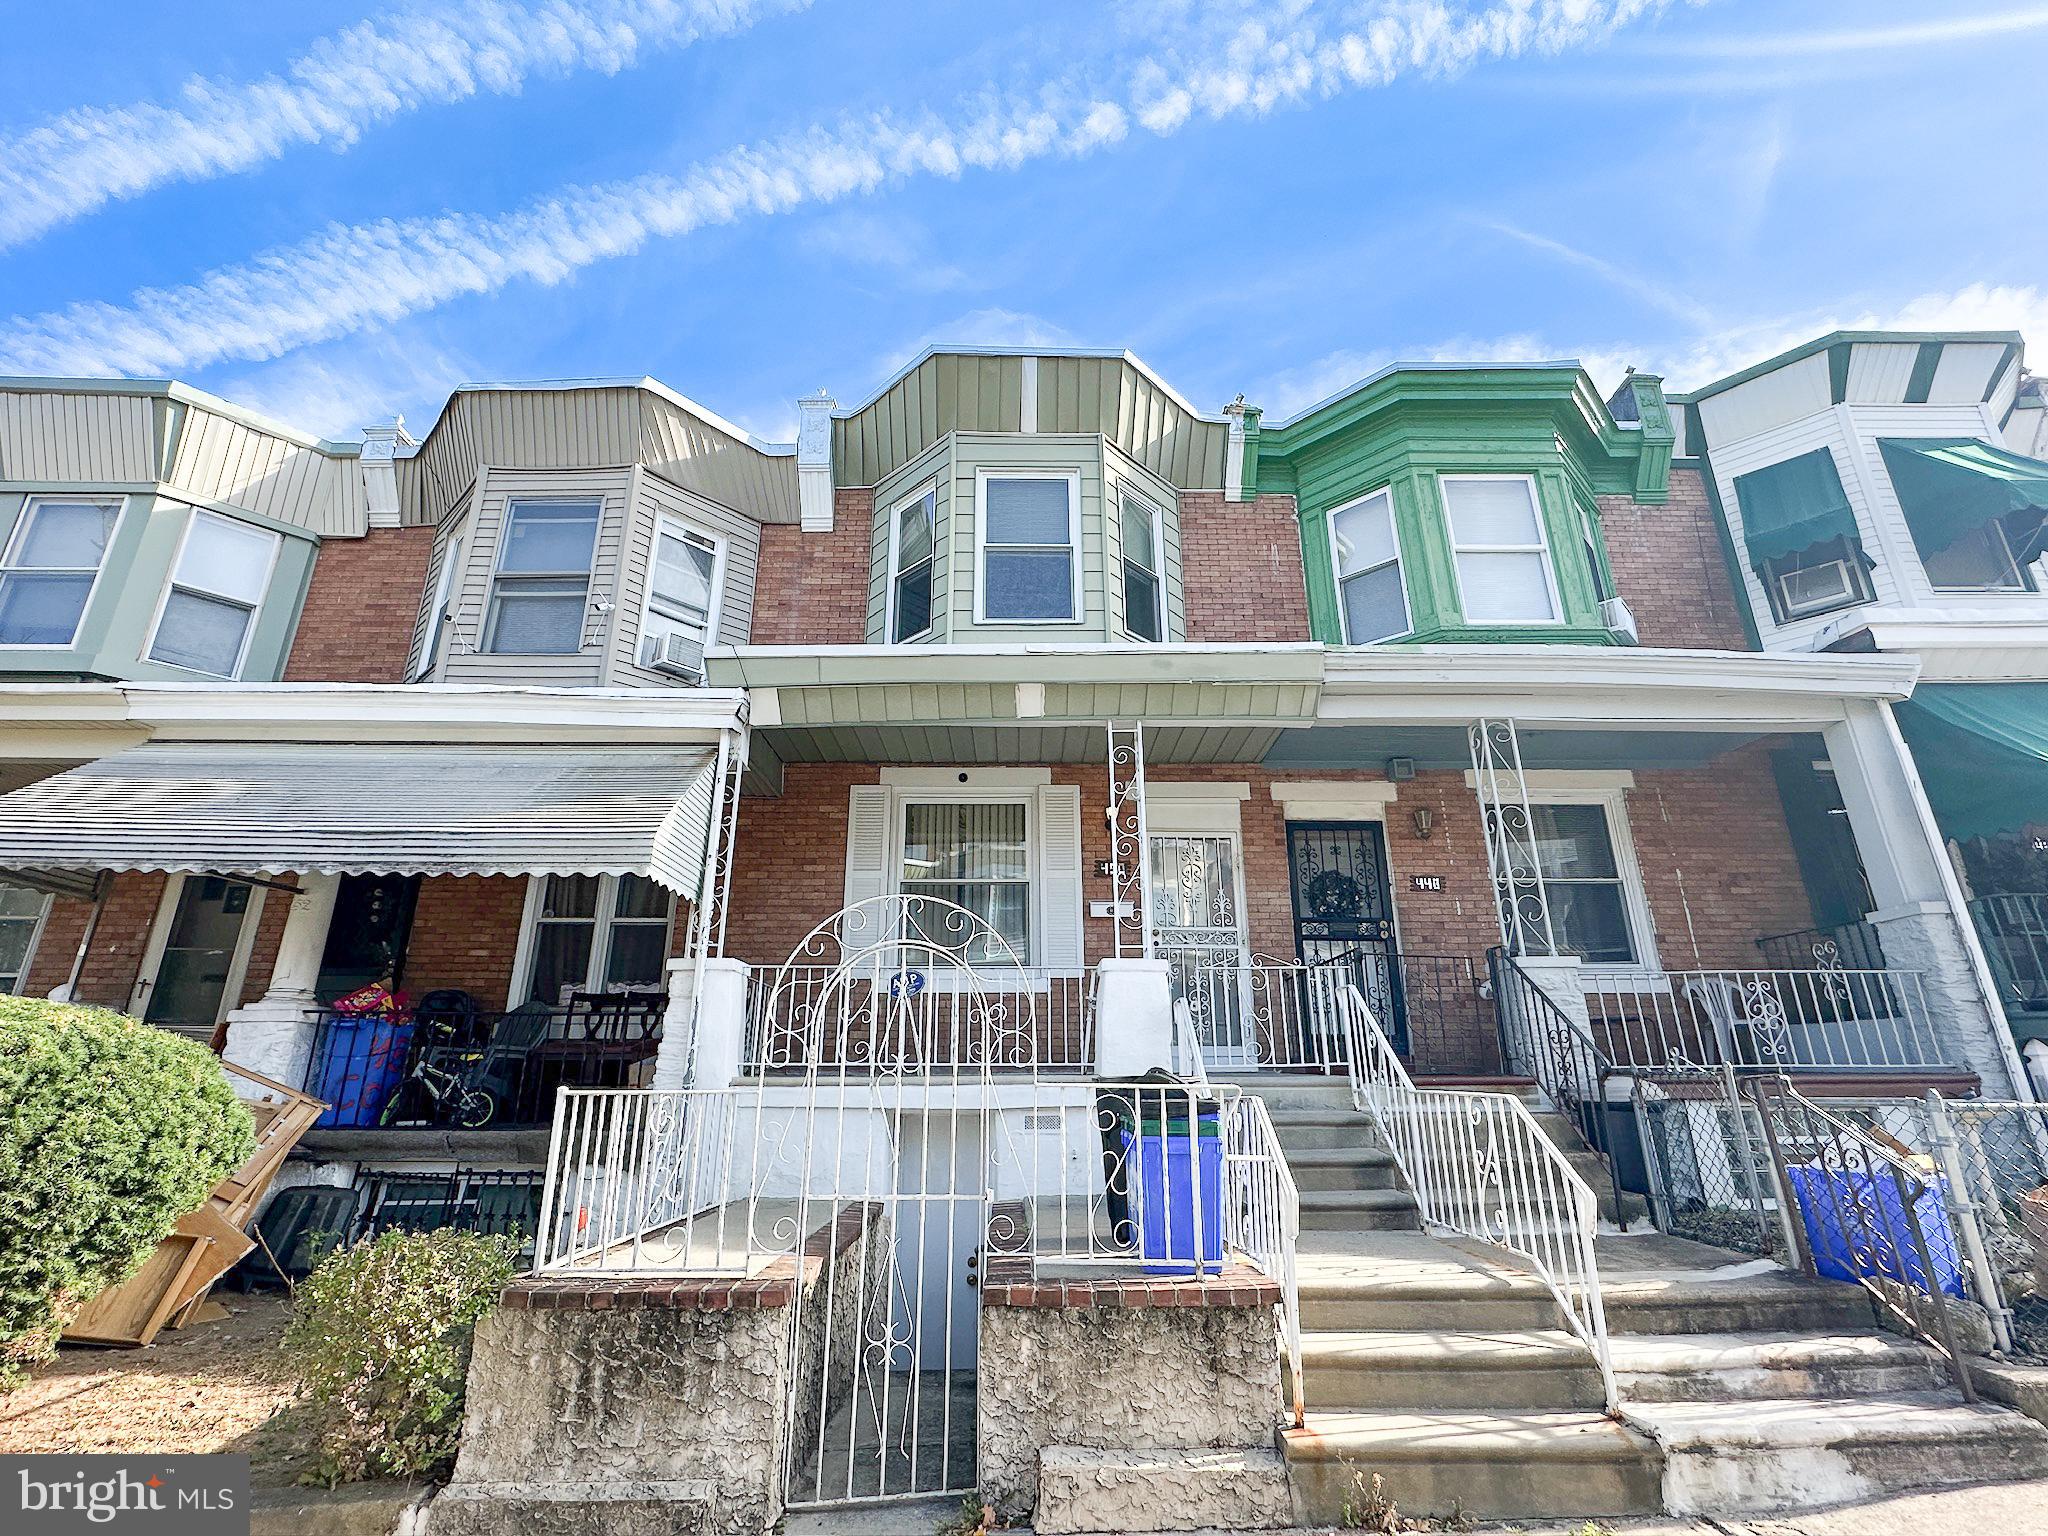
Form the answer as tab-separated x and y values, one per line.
1169	1175
362	1061
1845	1249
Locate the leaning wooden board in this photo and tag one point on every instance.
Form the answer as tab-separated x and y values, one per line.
171	1285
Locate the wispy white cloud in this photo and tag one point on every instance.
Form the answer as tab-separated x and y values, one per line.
337	392
1656	295
900	247
1880	37
348	277
341	86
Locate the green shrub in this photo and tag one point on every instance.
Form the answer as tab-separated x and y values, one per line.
110	1130
380	1337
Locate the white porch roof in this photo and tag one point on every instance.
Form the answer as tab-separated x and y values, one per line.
332	808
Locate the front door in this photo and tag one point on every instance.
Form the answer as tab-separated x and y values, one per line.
1344	912
1198	927
200	951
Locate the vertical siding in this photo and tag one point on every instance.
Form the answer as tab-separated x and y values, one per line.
689	452
1125	404
1040	452
48	435
951	392
218	459
740	549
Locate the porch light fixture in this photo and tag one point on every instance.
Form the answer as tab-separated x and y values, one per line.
1424	819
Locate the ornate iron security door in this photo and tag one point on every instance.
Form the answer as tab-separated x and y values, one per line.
1344	910
1198	927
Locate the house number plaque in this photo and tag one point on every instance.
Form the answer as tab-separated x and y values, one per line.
1425	882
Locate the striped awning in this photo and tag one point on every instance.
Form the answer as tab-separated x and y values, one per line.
337	809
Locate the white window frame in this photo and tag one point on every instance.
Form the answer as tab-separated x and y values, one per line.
489	636
1856	595
1400	564
444	594
16	536
172	584
35	937
903	797
1996	528
1541	548
600	942
929	488
1125	497
678	526
1612	799
982	475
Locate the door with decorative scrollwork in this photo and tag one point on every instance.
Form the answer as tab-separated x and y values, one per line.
1198	928
1344	911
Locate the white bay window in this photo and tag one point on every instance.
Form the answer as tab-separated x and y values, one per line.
1029	542
216	590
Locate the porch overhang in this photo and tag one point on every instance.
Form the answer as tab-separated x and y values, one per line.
333	808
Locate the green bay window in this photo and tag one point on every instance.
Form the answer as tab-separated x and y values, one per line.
216	588
1365	553
48	567
1498	549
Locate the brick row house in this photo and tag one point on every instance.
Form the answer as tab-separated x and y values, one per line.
588	726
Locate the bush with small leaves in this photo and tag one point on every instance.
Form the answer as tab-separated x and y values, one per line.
110	1130
380	1338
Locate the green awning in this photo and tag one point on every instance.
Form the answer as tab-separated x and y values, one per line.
1951	487
1793	506
1982	751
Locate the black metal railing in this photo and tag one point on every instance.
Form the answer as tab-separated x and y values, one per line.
1854	946
478	1070
2014	928
495	1202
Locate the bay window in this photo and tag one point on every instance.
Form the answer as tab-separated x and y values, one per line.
542	585
593	933
1366	556
681	594
1498	549
975	855
913	544
216	588
1029	545
48	567
1138	524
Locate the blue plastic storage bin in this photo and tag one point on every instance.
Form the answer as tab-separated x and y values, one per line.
1843	1249
362	1062
1164	1193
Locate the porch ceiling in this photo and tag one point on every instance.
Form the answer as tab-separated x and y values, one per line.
1438	746
996	744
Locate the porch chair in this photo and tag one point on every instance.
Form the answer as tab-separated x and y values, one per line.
502	1068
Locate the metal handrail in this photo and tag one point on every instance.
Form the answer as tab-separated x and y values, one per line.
1480	1166
1262	1217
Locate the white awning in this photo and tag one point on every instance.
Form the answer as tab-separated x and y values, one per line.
416	810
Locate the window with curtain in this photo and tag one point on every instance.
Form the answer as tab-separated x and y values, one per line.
1497	546
216	588
542	584
21	914
1367	558
914	544
1144	585
1582	878
975	856
679	587
48	566
1027	549
594	932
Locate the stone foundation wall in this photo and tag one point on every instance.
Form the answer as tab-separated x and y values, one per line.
1121	1366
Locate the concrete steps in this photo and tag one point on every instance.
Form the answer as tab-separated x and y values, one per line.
1762	1367
1417	1371
1358	1210
1335	1168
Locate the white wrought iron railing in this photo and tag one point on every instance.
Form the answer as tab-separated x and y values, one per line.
1045	1021
1263	1209
1480	1166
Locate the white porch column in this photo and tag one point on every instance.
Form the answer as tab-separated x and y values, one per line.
1133	1018
274	1034
703	1047
1920	917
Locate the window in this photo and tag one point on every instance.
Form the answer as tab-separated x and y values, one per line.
21	918
589	933
1139	525
913	542
1982	560
1589	540
1590	896
1497	546
1028	569
1367	559
682	595
437	616
1821	579
978	857
543	583
48	568
216	587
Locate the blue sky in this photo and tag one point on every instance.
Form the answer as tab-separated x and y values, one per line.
333	211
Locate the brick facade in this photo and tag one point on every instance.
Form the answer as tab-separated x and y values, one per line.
1241	572
1669	568
813	587
361	608
115	960
465	934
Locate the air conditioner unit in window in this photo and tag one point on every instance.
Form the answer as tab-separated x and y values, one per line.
675	653
1615	615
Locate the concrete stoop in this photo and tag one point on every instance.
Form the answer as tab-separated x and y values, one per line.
1087	1491
1763	1457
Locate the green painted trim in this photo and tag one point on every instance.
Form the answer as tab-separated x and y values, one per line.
1838	371
1921	383
1822	343
1726	537
1507	634
1248	466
